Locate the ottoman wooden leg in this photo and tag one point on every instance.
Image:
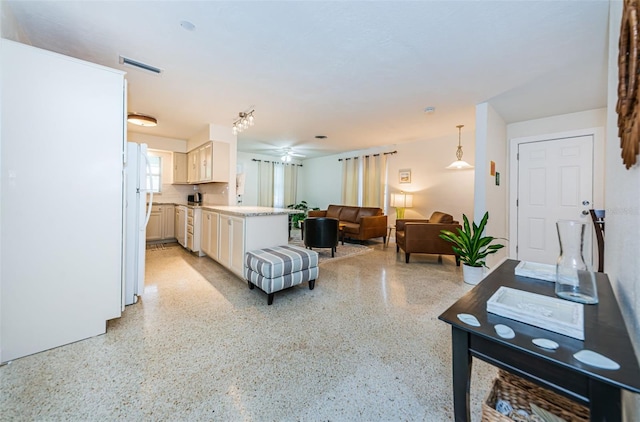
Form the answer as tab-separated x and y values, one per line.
270	298
250	284
312	284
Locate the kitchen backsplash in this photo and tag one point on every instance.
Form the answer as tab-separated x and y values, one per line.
212	193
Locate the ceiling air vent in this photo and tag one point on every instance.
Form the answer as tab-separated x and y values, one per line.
130	62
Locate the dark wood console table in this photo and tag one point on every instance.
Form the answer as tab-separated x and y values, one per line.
558	370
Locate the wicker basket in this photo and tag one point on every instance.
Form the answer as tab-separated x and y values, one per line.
519	393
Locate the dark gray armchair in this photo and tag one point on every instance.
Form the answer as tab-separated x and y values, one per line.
321	232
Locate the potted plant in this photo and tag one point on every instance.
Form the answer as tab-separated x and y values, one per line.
296	218
472	247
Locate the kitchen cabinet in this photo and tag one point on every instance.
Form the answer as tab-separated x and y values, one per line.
230	232
161	223
194	221
208	163
180	168
168	217
209	233
193	168
180	225
205	156
154	226
231	248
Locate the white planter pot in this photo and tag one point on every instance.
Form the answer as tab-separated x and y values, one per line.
472	275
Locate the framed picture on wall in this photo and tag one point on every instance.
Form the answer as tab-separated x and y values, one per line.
404	175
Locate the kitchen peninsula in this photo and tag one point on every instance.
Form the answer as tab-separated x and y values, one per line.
227	232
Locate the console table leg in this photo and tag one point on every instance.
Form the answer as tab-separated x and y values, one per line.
461	374
605	402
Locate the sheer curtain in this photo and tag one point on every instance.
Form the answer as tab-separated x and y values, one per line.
290	184
350	172
265	183
374	175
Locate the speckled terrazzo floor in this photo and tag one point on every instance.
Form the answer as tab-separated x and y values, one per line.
364	345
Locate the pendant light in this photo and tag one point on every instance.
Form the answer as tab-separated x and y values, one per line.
459	164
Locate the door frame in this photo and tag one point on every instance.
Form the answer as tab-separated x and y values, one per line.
598	134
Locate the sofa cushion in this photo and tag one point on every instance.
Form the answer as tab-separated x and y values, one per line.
350	228
349	214
333	211
440	217
368	212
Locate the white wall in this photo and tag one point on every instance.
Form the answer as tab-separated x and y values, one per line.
434	187
556	124
491	145
158	142
622	198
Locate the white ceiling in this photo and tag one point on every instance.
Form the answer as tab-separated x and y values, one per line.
359	72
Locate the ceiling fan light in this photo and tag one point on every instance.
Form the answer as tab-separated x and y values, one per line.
251	120
142	120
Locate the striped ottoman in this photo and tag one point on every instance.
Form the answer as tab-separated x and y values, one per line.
277	268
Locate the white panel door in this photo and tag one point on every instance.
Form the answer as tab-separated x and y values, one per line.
555	181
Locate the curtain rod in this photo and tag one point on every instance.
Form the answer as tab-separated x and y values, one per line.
277	162
372	155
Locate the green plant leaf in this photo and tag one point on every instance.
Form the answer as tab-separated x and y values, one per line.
469	243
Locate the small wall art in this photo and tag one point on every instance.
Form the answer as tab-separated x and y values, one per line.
404	175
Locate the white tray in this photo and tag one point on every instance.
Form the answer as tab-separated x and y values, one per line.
536	270
549	313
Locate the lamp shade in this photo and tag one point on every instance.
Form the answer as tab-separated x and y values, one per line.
401	200
459	165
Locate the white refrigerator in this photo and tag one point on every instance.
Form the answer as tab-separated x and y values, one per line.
138	202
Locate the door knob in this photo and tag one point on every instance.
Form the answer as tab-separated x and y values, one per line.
585	212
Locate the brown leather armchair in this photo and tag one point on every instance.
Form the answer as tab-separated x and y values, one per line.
423	236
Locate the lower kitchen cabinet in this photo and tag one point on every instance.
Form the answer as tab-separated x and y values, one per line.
227	237
161	223
154	226
209	233
180	225
231	248
194	221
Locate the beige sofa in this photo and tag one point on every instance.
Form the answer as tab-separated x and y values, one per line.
359	223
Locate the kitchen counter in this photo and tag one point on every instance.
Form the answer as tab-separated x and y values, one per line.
246	211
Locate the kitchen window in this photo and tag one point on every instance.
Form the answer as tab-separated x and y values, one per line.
154	174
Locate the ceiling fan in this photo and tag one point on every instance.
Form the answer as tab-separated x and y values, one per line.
287	154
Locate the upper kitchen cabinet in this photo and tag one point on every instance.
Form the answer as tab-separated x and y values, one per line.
180	168
193	168
209	163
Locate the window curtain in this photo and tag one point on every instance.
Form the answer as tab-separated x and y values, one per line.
350	181
265	184
290	184
374	175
